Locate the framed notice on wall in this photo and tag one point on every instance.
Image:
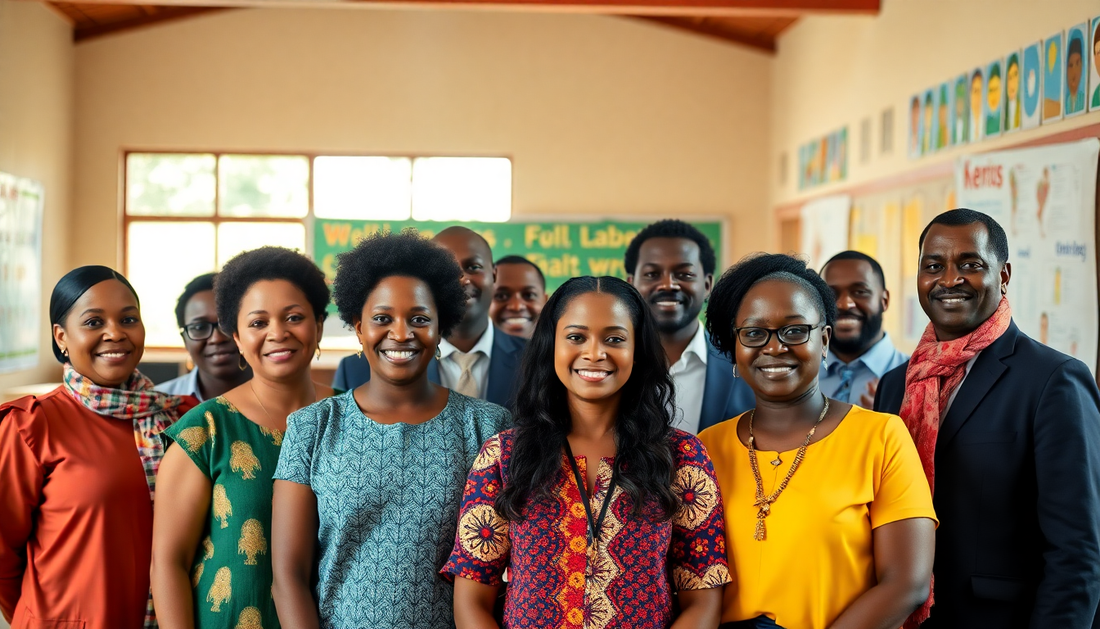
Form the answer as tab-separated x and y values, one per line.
1045	198
20	272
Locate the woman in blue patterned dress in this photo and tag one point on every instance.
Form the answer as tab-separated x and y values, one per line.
369	482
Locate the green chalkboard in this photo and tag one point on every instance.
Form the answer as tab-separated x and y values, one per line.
562	249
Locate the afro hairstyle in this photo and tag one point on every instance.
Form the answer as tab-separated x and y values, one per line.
267	263
406	254
730	290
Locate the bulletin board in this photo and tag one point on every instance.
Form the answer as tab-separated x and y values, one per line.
20	272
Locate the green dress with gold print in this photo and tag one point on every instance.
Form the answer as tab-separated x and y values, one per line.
231	576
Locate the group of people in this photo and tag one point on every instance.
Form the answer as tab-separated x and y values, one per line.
598	458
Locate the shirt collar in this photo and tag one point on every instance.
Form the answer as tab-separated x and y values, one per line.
483	345
876	358
697	346
193	384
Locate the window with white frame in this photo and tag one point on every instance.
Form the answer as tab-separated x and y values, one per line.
188	213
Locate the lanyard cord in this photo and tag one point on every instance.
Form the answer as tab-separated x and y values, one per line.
595	527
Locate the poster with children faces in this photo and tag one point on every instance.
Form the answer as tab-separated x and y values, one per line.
1010	116
944	102
1030	86
1094	65
994	95
960	111
928	122
914	126
1052	78
1076	64
976	97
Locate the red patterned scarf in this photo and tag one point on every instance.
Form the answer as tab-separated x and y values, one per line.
935	370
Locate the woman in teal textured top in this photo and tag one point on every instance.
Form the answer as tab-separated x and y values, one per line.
369	482
212	520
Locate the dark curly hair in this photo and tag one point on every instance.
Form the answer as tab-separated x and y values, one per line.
197	285
542	421
406	254
730	290
670	228
267	263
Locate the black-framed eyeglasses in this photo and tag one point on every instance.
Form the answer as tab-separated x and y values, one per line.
199	330
796	334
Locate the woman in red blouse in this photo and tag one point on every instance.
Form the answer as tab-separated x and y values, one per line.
77	467
596	546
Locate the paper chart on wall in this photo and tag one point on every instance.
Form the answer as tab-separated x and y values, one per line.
824	228
1045	198
20	272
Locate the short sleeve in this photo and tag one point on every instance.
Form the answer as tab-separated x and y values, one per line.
195	433
902	488
22	478
296	456
697	554
482	546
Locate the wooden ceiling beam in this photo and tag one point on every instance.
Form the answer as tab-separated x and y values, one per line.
762	41
160	15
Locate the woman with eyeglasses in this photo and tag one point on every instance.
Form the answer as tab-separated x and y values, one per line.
829	519
219	366
212	524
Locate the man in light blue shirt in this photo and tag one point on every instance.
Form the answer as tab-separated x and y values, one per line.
860	352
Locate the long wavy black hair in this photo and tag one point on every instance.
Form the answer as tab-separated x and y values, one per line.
542	421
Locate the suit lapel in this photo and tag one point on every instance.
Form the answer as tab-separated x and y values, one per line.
987	370
502	371
715	390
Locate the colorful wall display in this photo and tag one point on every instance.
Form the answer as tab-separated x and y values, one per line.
1031	83
993	92
1094	75
823	160
960	111
1052	78
824	228
1045	198
1077	69
1010	118
20	272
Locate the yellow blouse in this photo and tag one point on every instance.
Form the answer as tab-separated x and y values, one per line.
818	556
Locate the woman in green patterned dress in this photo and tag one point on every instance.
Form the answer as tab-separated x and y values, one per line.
212	522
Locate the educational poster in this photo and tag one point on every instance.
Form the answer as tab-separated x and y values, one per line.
1011	116
915	127
977	105
823	160
943	122
1076	65
960	112
1030	103
824	226
1045	198
928	123
1094	65
994	94
875	231
1052	78
20	272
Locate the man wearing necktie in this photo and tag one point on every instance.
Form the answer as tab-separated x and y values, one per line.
860	351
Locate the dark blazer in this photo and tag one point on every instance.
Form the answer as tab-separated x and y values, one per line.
1017	491
503	369
724	396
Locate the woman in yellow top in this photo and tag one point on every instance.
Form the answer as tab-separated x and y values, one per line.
829	520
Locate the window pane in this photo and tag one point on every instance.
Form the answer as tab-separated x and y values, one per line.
365	188
234	238
263	185
161	184
161	258
462	189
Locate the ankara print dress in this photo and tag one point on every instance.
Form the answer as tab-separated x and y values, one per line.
231	576
638	564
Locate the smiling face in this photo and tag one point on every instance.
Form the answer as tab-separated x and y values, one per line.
860	302
777	372
399	329
103	334
518	298
217	355
1012	82
994	95
277	331
671	279
960	278
476	261
594	347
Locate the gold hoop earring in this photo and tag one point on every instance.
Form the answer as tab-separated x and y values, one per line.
317	354
241	363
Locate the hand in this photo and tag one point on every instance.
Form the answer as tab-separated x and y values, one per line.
867	400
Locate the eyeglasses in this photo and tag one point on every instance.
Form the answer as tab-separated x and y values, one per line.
788	335
199	330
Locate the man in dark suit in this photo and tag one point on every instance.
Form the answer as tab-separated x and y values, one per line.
671	263
476	359
1009	433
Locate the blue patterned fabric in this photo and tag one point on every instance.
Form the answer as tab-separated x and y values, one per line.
387	499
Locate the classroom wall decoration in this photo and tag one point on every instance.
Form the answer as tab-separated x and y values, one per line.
823	160
993	93
1052	78
1031	82
1077	69
1094	74
1010	119
20	272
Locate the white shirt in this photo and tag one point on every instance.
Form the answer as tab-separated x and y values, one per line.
690	376
450	371
187	384
951	400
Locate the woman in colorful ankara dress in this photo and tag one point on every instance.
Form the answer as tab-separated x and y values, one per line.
211	548
601	512
78	466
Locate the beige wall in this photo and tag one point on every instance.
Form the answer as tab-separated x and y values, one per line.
602	116
834	71
36	126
